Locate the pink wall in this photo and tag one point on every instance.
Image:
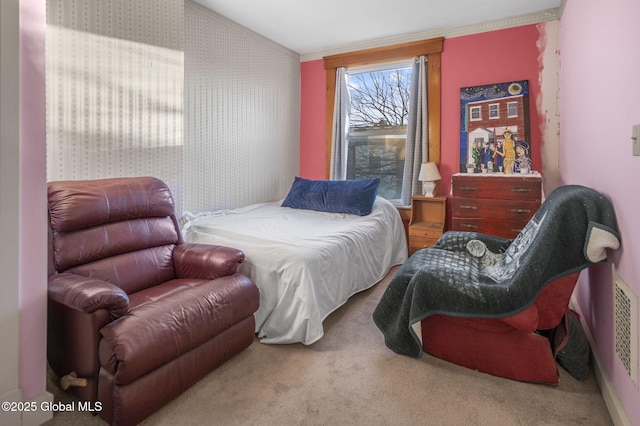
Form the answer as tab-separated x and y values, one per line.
491	57
598	105
33	209
312	123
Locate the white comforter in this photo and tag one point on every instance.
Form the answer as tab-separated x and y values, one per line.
305	263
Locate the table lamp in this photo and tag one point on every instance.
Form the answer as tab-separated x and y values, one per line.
429	174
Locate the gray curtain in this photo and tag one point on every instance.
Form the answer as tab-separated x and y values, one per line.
338	169
417	150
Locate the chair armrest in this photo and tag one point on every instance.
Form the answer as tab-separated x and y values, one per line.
88	294
206	261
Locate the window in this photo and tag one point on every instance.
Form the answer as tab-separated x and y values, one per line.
512	109
378	126
376	56
494	111
475	113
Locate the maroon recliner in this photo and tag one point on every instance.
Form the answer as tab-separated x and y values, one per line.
136	316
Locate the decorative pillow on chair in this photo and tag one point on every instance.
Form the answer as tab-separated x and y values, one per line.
333	196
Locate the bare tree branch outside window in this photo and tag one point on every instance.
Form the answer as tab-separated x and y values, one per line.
379	98
377	127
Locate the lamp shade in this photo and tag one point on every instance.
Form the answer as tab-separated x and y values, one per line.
429	172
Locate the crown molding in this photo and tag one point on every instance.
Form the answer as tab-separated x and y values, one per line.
516	21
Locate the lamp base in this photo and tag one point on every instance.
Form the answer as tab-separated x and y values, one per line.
428	188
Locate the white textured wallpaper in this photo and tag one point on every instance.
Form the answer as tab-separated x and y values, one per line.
114	83
170	89
242	102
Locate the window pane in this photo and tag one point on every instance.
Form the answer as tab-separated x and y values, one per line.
494	111
475	113
378	125
380	156
379	98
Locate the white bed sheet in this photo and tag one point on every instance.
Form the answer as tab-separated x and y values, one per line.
305	263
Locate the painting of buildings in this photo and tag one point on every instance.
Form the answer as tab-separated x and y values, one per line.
494	123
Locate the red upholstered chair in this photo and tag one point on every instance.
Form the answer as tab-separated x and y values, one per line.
136	316
508	347
499	305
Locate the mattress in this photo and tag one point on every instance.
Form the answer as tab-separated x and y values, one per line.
305	263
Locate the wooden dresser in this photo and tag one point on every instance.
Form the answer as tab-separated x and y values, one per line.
427	221
494	204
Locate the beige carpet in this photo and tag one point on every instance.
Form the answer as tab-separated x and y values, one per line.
349	377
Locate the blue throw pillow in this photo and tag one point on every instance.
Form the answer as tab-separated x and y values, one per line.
333	196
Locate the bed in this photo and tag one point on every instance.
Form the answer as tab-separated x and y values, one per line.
306	263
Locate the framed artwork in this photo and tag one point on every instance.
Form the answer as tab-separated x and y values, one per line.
494	128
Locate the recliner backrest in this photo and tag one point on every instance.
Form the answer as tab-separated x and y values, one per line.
120	230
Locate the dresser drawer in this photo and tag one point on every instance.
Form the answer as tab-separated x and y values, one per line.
424	232
498	187
417	243
499	228
496	209
494	204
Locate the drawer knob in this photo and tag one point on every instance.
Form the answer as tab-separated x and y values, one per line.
469	207
520	211
521	190
469	226
468	188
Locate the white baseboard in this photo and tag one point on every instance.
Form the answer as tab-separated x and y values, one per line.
38	417
608	391
7	416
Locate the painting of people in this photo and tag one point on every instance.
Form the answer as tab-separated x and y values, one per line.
494	123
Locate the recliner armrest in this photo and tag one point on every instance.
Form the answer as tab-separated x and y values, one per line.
206	261
88	294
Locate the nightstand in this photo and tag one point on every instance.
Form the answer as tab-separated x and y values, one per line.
427	221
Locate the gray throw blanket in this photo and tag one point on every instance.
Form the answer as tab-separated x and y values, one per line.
468	274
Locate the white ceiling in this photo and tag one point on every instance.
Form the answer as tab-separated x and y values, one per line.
308	27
